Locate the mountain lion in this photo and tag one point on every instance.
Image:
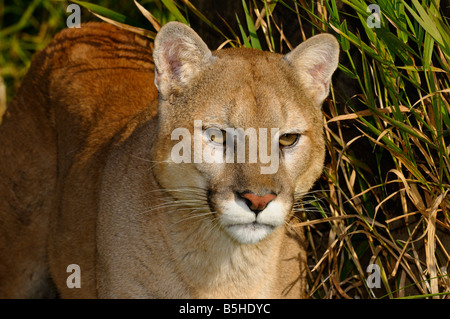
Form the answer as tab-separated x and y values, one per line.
99	199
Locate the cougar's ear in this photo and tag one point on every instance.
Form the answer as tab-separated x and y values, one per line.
314	62
179	55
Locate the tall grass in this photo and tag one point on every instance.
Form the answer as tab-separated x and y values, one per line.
402	112
384	196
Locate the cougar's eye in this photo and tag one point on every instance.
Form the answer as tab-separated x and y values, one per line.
216	136
288	140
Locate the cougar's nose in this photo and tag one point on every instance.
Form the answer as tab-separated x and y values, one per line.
257	203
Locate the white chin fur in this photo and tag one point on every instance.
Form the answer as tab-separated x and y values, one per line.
249	233
245	227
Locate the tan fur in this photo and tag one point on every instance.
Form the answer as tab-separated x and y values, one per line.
87	177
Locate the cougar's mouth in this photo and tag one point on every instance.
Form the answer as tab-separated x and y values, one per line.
246	226
249	233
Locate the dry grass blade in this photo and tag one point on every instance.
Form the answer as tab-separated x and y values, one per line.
411	191
127	27
323	220
155	23
261	23
430	247
356	115
391	220
337	285
430	95
405	247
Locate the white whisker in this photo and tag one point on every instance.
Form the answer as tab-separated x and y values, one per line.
196	215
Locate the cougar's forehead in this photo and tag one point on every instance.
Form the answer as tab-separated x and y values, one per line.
251	89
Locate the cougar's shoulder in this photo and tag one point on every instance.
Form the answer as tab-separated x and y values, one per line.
78	92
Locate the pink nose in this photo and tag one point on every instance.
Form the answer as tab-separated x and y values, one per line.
257	203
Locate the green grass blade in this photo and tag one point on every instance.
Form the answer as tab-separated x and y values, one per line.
251	28
202	17
171	6
244	36
154	22
108	13
427	22
269	9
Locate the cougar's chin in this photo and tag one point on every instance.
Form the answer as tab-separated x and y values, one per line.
247	227
250	233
